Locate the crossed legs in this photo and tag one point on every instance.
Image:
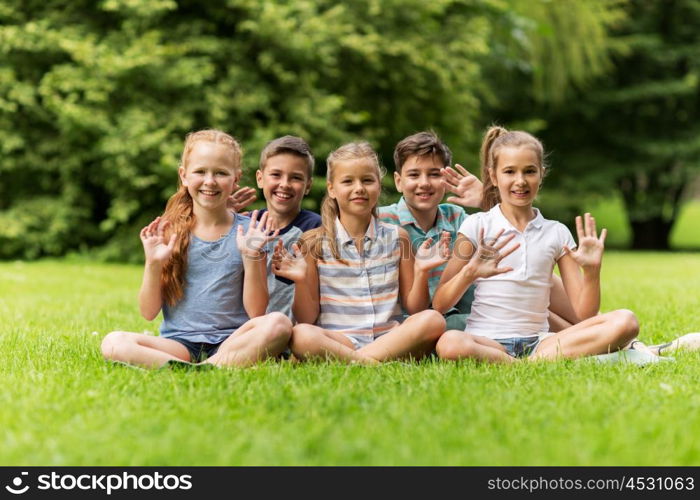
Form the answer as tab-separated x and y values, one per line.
257	339
414	338
597	335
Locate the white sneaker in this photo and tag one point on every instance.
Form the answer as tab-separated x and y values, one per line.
687	342
632	356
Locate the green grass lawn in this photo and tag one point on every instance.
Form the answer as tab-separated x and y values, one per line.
60	404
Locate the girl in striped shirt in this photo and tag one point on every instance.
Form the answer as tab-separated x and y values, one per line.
352	271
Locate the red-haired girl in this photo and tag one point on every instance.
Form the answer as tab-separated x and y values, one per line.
205	269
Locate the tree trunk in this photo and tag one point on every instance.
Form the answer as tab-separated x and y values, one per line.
651	234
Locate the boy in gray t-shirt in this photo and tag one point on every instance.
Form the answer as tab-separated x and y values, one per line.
285	175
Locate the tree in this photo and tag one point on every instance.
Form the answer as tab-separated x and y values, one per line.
637	128
95	98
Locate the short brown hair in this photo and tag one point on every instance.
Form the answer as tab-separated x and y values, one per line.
288	144
421	144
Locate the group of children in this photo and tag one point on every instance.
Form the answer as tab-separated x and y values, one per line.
362	283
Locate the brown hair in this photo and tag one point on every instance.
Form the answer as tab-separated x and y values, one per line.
179	213
496	138
421	144
288	144
329	208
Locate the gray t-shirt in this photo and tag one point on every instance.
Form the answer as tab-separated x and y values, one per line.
212	306
281	290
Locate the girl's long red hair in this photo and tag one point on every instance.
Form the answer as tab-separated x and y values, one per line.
179	212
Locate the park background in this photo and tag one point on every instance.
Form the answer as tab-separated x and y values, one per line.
97	96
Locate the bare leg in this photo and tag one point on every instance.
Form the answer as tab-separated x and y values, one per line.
561	312
258	339
454	345
142	350
309	342
562	316
687	342
412	339
597	335
556	322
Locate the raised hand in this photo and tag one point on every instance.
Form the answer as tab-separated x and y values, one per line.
488	255
428	257
156	248
288	265
259	233
465	185
589	253
239	200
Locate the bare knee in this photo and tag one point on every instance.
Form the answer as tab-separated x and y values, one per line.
303	339
454	345
113	344
431	324
279	327
626	326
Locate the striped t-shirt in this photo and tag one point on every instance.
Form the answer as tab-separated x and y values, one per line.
360	296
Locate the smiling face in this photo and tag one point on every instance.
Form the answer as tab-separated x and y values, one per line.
210	175
355	186
420	182
284	180
517	175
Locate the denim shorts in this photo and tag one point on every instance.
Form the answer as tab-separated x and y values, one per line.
520	347
199	351
360	341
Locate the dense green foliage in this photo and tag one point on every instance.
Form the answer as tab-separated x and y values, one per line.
62	405
637	130
96	97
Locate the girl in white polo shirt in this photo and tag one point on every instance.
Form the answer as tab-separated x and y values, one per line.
516	250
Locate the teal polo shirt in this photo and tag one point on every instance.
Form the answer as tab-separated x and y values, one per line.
449	218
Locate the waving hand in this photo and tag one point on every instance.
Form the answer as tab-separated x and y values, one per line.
589	253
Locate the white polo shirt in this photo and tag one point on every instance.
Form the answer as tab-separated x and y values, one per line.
515	303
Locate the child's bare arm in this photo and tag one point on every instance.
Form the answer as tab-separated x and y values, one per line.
250	245
301	269
456	278
150	294
307	300
584	290
255	293
413	283
426	258
157	251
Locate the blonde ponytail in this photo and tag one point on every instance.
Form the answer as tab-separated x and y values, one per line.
490	196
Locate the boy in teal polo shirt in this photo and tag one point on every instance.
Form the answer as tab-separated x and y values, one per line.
422	175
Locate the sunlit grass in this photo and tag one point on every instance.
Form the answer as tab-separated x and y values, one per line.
61	404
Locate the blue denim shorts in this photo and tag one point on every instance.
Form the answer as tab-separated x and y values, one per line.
520	347
199	351
360	341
